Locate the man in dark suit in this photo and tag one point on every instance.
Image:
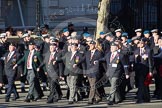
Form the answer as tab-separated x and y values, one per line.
1	83
72	69
116	65
61	69
92	71
143	67
52	71
81	79
32	60
10	60
156	49
2	52
158	66
126	50
3	48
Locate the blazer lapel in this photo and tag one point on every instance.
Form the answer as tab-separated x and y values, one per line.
117	55
93	56
10	57
48	57
108	57
33	56
6	58
72	59
89	56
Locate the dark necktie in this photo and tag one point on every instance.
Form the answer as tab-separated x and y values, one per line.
8	57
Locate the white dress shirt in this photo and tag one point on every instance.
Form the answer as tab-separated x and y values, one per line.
73	53
10	55
30	61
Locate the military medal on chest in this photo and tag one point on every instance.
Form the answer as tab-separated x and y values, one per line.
35	59
76	59
117	61
14	59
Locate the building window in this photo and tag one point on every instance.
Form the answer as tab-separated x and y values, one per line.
115	6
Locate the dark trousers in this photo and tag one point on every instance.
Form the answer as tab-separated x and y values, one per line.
122	88
143	91
11	87
81	92
93	90
160	89
38	88
42	76
22	78
157	84
53	95
58	89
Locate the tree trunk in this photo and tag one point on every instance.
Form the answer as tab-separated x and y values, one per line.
103	12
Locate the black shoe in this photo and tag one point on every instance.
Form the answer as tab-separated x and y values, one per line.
70	102
27	100
1	91
147	101
40	96
110	103
129	88
50	101
7	100
59	97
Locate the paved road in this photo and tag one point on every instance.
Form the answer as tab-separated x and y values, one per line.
129	102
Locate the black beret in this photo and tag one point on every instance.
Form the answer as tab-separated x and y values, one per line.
92	42
31	43
74	44
113	44
53	44
12	44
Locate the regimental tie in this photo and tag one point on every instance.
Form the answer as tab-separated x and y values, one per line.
141	51
112	57
92	53
8	57
50	58
28	61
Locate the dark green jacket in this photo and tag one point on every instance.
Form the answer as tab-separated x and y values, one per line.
36	61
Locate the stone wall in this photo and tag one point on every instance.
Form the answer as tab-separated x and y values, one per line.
55	12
